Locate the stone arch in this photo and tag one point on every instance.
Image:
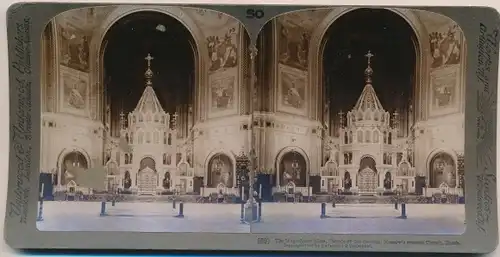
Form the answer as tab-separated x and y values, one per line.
317	44
404	168
449	174
368	160
112	168
367	178
147	161
289	150
62	156
68	150
331	168
97	46
71	187
227	174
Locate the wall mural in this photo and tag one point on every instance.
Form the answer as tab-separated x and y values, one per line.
222	93
442	170
292	90
74	48
293	46
74	91
445	45
294	34
444	84
220	171
446	42
222	37
223	50
293	168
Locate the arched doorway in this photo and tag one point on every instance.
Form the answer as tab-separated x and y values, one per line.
347	181
442	170
112	171
367	176
147	179
292	168
73	164
124	48
166	180
147	162
220	171
388	181
127	181
344	58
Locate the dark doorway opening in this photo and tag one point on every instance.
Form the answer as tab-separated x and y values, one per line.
392	41
127	43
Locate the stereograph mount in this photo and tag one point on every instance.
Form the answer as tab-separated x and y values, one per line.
480	25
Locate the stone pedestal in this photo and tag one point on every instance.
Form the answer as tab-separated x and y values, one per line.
251	213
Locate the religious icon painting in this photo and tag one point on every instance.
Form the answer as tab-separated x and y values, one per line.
275	126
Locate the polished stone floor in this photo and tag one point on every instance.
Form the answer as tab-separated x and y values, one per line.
276	218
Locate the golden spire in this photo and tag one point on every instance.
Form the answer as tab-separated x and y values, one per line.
369	70
149	73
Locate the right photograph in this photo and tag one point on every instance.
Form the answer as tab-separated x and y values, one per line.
359	123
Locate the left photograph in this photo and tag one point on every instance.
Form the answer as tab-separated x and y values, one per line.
145	121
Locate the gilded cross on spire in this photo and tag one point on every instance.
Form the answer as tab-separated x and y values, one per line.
149	58
149	73
368	70
369	55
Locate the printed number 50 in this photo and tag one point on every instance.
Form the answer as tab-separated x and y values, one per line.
255	13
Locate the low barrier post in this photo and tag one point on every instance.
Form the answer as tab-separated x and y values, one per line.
40	205
181	210
323	211
40	210
259	216
242	213
403	210
103	208
396	205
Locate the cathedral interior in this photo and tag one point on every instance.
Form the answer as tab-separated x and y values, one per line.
354	100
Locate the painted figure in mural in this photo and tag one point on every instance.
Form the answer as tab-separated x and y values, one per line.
83	51
224	177
292	96
223	51
443	96
223	97
75	49
287	177
284	55
449	171
443	171
73	166
294	46
445	47
76	95
67	174
303	49
347	181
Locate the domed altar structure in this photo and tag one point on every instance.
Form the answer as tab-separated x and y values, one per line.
368	156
